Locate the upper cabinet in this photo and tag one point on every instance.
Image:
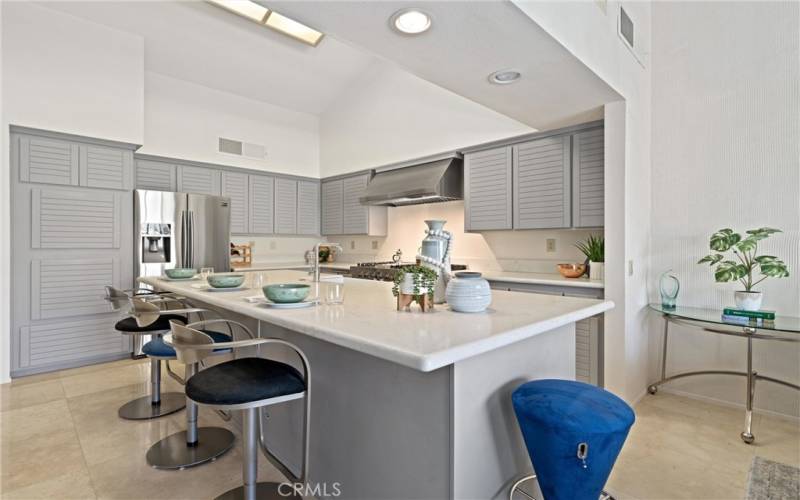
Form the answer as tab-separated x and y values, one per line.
587	179
487	189
308	207
199	180
343	212
108	168
285	206
262	204
155	176
551	182
235	185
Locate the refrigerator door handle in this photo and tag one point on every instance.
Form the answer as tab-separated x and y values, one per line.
190	246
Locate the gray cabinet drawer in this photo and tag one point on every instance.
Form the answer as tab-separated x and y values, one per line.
285	206
542	184
308	208
236	187
332	207
262	204
156	176
588	166
487	189
199	180
48	161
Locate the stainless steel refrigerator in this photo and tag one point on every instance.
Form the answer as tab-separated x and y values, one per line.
179	230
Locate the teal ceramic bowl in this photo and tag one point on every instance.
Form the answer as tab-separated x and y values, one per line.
225	280
180	273
286	293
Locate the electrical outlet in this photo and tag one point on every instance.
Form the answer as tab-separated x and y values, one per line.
352	245
630	268
374	244
550	244
273	244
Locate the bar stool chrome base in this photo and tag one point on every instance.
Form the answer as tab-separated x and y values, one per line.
516	488
144	409
263	491
173	452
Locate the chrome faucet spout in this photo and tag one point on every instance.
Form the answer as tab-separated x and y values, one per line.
315	262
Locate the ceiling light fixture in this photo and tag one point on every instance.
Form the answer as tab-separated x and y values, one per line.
504	77
410	21
271	19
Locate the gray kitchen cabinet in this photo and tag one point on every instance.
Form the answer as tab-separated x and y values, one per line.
199	180
105	167
236	186
588	160
48	161
332	207
355	216
65	218
308	207
285	206
542	183
262	204
487	189
155	175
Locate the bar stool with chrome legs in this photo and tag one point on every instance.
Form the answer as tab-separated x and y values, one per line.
248	384
147	318
196	445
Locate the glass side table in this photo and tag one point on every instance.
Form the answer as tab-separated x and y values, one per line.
784	329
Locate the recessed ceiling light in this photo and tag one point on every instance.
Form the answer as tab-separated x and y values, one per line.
271	19
410	21
505	76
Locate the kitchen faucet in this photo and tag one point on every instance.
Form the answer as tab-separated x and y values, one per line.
315	262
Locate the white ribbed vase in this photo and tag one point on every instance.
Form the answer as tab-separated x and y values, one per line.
468	292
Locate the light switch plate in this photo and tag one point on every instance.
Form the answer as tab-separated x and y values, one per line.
352	245
550	244
273	244
630	268
374	244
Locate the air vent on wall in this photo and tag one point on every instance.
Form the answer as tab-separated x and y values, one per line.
625	30
239	148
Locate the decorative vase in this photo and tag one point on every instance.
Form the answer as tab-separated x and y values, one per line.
407	286
668	287
468	292
435	254
597	271
748	301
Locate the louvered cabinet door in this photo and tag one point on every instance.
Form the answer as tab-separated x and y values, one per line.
48	161
355	215
487	189
285	206
587	350
308	208
262	204
198	180
332	207
588	160
156	176
236	186
61	288
542	184
62	219
102	167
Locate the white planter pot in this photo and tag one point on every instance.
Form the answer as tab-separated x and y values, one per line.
749	301
597	271
407	286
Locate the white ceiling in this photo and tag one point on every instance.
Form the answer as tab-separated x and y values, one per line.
203	44
468	41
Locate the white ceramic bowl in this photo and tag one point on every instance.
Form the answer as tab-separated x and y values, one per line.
468	292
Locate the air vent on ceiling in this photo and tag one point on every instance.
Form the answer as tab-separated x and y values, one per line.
240	148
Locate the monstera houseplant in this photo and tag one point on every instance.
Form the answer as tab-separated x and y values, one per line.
744	263
594	250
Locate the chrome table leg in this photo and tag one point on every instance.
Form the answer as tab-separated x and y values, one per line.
747	435
653	388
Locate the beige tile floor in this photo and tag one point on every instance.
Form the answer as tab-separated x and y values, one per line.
60	438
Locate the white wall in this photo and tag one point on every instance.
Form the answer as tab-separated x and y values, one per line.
591	35
185	120
63	73
389	115
726	153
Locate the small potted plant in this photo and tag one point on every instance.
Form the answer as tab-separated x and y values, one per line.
414	284
594	250
745	264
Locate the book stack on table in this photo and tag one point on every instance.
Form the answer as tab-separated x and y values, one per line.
765	319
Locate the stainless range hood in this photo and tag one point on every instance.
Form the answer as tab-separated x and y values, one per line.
429	182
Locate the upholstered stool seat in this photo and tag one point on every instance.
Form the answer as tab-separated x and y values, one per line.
573	432
129	325
156	348
244	380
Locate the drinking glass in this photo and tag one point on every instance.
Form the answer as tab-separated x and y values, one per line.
256	281
334	293
205	271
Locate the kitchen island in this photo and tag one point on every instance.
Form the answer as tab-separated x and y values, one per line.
409	404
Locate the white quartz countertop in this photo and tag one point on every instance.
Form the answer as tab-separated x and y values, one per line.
368	321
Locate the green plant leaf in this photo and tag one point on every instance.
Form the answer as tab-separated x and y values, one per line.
748	244
763	259
729	271
723	240
775	268
762	232
711	258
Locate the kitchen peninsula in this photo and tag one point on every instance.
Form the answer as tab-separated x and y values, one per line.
406	404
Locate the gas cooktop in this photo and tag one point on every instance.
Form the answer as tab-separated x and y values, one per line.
385	271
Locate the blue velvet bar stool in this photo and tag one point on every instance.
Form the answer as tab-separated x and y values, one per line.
197	445
573	432
147	318
249	384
